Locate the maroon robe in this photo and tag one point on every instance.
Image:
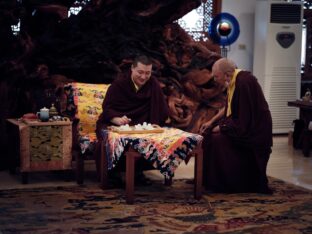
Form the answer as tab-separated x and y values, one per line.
148	104
235	159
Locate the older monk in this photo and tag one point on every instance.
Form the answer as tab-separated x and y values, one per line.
238	140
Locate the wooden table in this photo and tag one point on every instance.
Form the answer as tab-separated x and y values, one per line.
42	146
306	116
132	155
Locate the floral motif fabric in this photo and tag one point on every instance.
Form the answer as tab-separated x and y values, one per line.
164	150
84	101
88	98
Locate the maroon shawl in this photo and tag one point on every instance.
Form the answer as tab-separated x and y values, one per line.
235	159
147	105
250	123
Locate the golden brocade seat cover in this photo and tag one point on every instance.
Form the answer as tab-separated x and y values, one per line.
88	99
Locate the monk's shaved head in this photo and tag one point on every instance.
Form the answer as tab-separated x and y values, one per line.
224	65
223	70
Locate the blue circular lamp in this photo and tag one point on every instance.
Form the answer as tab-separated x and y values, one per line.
224	29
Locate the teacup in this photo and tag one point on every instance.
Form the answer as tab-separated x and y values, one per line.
43	115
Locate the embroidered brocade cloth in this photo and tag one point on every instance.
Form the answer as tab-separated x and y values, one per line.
164	151
85	102
46	143
43	146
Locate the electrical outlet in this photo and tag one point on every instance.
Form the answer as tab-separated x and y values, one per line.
242	47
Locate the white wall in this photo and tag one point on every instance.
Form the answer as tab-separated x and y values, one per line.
241	51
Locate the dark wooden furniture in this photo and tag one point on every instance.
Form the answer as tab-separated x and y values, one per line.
306	115
40	146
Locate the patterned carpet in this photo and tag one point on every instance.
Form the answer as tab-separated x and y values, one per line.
157	209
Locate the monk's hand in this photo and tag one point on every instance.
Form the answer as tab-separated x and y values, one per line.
121	120
216	129
126	119
205	126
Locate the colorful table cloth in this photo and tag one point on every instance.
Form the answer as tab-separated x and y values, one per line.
164	151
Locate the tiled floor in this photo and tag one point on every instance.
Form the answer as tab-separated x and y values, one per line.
289	164
285	163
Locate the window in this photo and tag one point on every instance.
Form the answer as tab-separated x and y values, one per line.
77	7
16	28
196	22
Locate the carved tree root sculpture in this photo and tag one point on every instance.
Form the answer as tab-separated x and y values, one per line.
101	41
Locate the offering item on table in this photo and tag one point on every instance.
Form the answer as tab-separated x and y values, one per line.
138	128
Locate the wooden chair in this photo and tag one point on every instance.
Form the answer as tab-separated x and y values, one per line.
82	103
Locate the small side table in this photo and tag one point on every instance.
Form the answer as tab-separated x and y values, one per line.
306	115
43	146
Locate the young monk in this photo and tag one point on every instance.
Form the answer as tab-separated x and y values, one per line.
134	98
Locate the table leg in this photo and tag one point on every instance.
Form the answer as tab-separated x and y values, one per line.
306	143
198	172
13	148
24	177
103	167
168	181
79	167
130	168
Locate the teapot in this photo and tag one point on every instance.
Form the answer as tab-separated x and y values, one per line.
43	114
